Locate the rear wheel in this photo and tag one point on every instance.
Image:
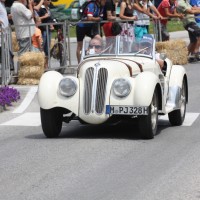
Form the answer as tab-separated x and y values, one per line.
51	120
177	117
57	56
148	123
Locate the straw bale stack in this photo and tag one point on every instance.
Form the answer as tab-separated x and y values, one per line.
31	68
14	42
176	51
27	81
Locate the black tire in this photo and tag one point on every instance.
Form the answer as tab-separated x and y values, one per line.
148	123
176	117
57	55
51	121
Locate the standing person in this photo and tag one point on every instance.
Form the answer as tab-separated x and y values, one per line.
109	14
167	8
147	11
45	16
3	15
196	4
36	6
126	13
21	15
191	26
93	12
143	13
3	20
37	37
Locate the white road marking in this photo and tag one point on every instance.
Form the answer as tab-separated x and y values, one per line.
189	119
27	100
33	119
26	119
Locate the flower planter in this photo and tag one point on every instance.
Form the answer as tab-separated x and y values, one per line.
8	95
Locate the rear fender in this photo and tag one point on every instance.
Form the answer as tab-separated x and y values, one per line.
178	73
176	77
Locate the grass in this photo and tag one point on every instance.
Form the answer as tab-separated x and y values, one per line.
171	27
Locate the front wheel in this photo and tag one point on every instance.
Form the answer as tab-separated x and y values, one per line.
51	121
148	123
177	117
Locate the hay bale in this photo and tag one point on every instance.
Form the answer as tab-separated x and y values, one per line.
27	81
31	68
15	45
31	72
32	59
176	51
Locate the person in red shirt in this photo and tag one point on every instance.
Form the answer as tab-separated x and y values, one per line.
167	8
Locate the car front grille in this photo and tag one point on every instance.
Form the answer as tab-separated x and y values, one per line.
95	89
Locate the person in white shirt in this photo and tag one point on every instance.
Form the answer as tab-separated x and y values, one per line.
3	15
3	20
21	15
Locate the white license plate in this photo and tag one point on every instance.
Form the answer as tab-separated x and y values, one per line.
126	110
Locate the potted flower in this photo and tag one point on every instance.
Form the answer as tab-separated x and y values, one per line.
7	96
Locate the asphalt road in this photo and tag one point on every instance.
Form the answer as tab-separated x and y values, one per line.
99	162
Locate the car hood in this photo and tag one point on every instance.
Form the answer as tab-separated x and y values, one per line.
118	65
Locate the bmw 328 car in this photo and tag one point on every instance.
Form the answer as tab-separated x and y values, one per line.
117	79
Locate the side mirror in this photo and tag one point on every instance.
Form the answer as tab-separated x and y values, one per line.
163	56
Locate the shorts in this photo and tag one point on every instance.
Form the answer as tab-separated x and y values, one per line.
24	45
90	31
193	31
140	31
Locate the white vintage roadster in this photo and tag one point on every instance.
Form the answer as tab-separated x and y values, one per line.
122	81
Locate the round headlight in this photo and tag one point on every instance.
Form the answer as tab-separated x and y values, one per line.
121	87
67	87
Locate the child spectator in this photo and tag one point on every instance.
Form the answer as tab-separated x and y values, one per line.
37	37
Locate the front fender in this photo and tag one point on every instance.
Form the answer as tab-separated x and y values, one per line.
48	88
49	96
145	84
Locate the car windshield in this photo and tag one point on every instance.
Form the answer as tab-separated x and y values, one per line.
119	45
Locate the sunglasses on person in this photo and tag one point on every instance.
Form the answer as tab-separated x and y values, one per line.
95	46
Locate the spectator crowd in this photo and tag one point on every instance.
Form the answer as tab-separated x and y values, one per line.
27	15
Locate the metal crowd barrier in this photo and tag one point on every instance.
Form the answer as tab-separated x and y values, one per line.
6	55
69	47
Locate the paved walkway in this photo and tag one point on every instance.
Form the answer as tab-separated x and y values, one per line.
183	35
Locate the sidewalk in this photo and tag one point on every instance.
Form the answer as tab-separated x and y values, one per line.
183	35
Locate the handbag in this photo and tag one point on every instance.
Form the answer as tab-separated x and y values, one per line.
116	28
